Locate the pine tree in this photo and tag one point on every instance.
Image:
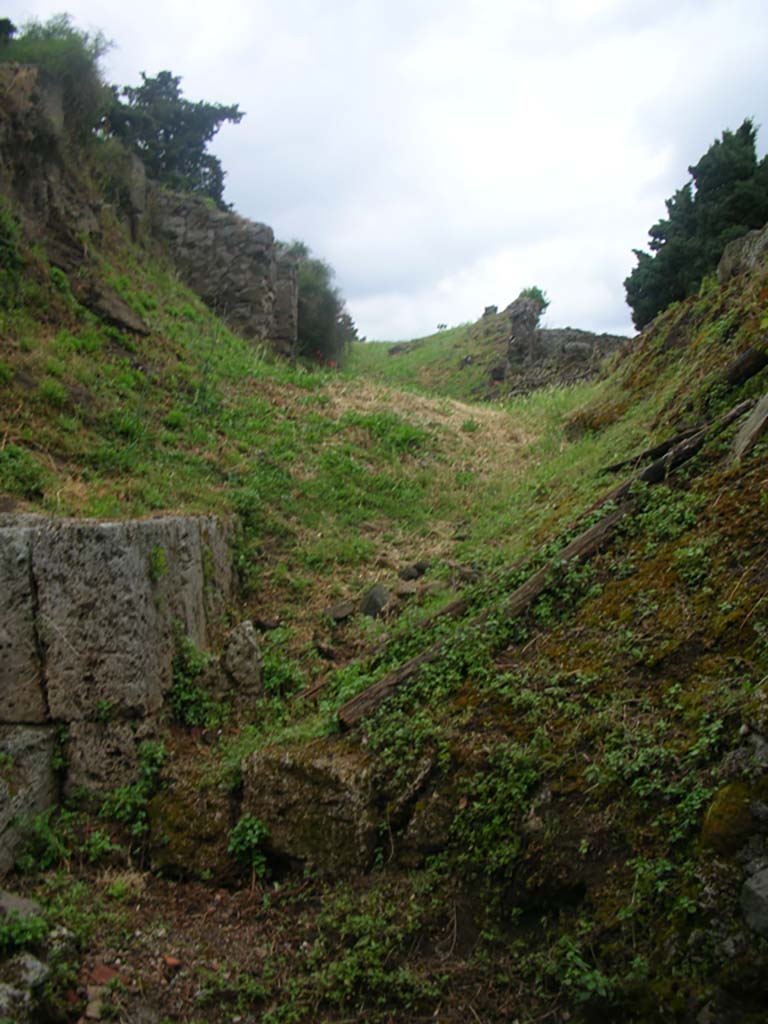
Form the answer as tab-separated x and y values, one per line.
726	197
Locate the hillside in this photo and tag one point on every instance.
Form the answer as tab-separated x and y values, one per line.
527	782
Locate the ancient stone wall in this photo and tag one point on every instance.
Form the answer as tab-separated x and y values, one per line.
88	616
233	264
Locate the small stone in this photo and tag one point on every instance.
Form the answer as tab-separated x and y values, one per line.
101	974
728	822
242	658
734	945
95	996
375	601
744	730
341	612
405	588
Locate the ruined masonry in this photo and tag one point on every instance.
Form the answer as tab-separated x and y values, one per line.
88	616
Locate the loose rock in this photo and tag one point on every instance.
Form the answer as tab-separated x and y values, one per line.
754	902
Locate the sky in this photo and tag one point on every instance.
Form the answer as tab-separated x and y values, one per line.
442	155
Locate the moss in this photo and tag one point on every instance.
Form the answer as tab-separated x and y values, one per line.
728	823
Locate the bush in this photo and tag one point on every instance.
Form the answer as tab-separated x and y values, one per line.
537	294
325	327
71	56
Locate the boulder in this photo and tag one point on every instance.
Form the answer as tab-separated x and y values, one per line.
89	612
728	822
109	596
318	803
242	659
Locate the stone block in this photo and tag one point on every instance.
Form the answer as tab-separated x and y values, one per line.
21	686
318	803
28	784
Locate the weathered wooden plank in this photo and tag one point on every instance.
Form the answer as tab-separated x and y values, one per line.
751	431
653	453
746	365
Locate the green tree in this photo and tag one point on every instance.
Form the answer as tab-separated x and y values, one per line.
325	327
7	31
170	134
726	197
70	55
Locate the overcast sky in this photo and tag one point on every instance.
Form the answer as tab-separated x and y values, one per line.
444	154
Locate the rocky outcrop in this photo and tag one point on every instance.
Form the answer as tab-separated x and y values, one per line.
523	315
233	264
743	254
88	616
569	345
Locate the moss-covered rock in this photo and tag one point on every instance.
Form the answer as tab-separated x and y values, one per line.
318	803
189	830
728	821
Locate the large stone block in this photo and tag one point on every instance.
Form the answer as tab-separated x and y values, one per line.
101	756
21	687
318	803
110	595
28	783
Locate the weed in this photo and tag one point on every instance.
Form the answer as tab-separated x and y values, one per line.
190	702
128	804
53	392
486	829
20	933
247	843
158	564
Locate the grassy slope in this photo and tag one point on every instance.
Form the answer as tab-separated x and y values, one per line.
576	752
432	364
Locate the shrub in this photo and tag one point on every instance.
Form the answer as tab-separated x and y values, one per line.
10	256
537	294
73	57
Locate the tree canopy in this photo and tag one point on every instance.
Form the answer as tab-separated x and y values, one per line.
170	134
726	197
325	326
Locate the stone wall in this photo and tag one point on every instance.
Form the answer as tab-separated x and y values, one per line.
88	615
233	264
